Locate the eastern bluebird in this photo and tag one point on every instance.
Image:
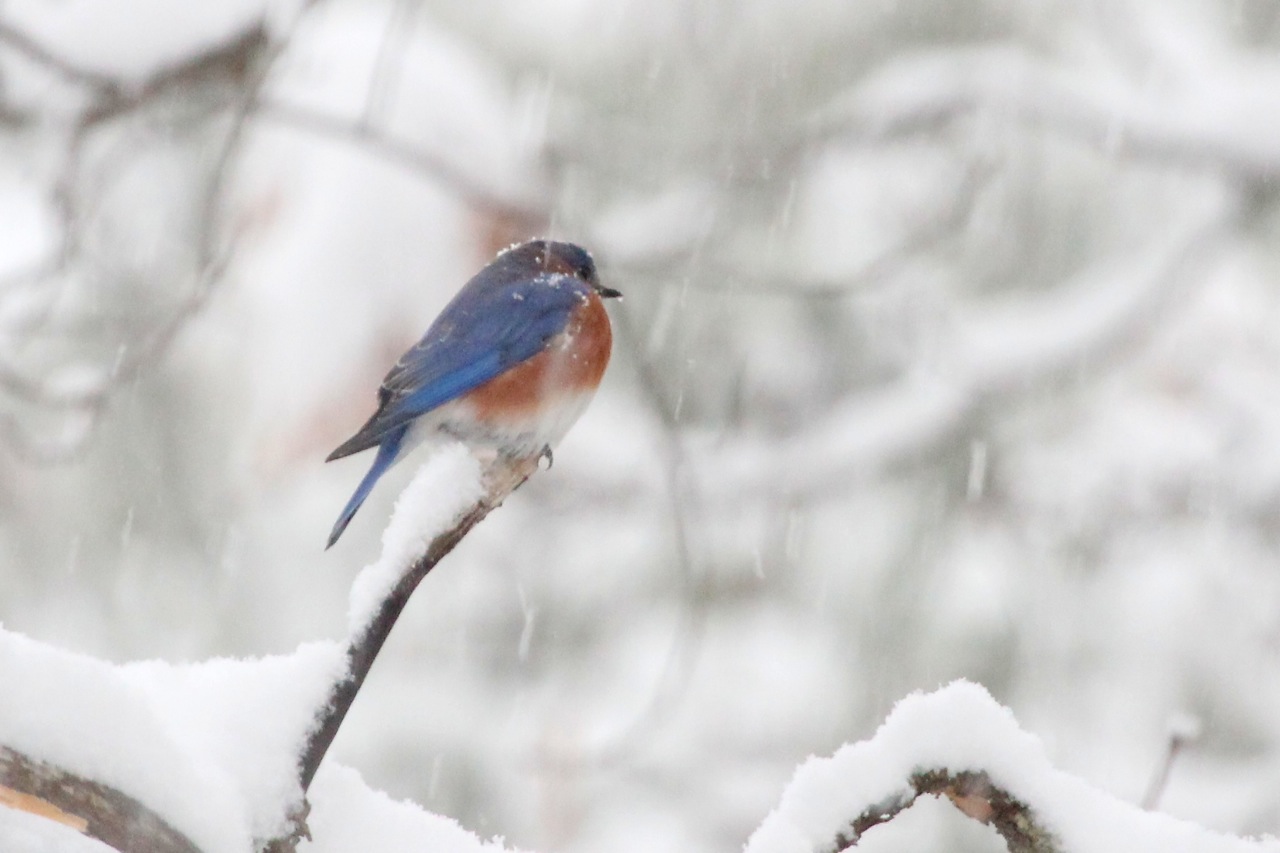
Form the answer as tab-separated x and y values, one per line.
508	366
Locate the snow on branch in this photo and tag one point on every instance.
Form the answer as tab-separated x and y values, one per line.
202	758
222	755
218	78
450	494
382	143
993	350
1222	121
210	749
88	807
960	743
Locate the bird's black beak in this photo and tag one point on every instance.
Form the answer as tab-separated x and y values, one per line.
608	292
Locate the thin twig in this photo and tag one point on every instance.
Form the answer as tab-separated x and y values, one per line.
691	626
241	65
914	96
382	144
388	64
910	420
1181	734
36	52
876	274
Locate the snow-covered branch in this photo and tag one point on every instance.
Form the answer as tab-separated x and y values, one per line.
1019	344
150	757
959	743
1221	122
382	144
970	791
96	810
243	739
53	300
450	495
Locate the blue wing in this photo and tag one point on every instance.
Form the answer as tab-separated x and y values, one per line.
491	325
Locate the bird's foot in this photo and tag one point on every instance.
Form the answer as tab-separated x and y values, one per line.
546	454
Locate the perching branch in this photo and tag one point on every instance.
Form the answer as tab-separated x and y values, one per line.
128	826
501	477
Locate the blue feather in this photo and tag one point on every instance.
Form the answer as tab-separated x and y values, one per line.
387	453
506	314
489	327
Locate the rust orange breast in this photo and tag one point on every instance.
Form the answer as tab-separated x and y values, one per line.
573	362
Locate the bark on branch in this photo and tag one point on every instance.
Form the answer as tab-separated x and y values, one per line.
501	477
974	794
89	807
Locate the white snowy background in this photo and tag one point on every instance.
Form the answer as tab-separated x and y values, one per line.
950	350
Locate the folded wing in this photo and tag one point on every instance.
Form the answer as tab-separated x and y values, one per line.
480	334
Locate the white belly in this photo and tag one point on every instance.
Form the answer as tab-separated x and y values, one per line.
518	437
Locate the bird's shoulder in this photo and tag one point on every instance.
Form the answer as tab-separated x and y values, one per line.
500	320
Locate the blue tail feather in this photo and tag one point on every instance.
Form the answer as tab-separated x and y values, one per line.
388	451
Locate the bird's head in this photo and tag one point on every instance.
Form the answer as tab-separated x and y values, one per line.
568	259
